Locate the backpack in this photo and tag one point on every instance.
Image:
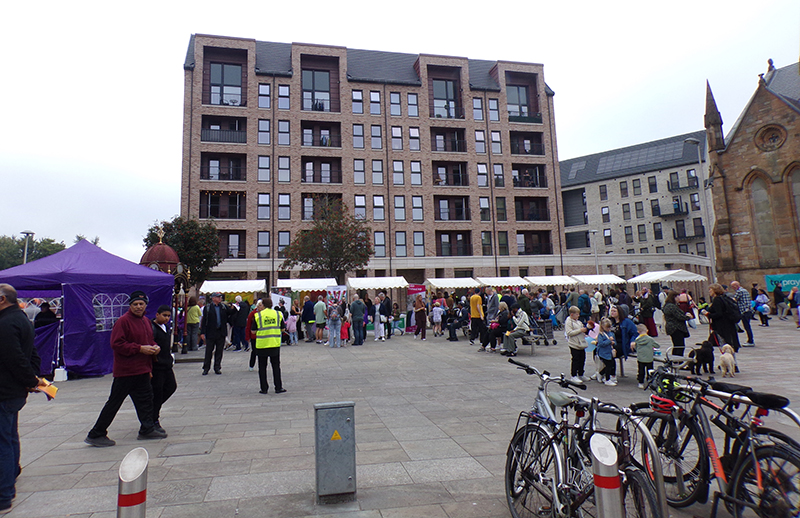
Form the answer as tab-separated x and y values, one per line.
732	309
333	313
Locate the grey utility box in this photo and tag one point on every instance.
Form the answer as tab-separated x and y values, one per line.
334	425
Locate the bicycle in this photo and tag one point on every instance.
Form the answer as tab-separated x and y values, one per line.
758	473
548	465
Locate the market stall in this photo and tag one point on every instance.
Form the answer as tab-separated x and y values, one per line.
551	280
599	280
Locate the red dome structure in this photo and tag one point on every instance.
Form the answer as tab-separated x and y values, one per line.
162	257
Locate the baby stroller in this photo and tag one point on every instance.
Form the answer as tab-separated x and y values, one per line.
542	331
558	318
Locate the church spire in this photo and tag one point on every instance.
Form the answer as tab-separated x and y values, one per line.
713	122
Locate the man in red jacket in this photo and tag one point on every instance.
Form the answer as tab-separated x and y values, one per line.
134	347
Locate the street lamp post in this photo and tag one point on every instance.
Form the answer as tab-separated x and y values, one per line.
594	246
706	218
27	234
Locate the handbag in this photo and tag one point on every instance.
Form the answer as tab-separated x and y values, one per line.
384	319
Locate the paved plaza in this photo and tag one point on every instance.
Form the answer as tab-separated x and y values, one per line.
433	421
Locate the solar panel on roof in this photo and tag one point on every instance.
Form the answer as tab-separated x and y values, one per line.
639	157
576	168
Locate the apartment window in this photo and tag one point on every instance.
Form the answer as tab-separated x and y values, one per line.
444	98
380	244
308	208
630	251
606	215
683	248
358	101
263	131
652	183
517	100
655	209
639	209
375	103
694	201
377	139
394	104
263	245
398	177
358	136
413	139
399	208
263	206
419	244
691	175
642	230
626	211
284	206
477	109
283	133
483	176
494	110
316	90
644	251
263	169
502	243
284	238
674	179
226	84
416	172
658	232
416	208
377	172
486	243
486	210
637	187
623	189
413	105
603	193
360	205
499	179
378	209
284	170
629	234
283	97
701	249
500	206
397	138
607	236
358	171
496	147
400	244
480	141
263	96
697	223
660	250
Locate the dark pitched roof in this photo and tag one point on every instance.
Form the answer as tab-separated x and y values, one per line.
373	66
188	63
785	83
274	59
479	76
641	158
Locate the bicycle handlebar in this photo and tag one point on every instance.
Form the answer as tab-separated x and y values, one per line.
546	375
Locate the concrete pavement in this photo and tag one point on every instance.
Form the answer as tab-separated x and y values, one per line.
433	421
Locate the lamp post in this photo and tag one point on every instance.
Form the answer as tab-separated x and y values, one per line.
594	246
706	219
27	234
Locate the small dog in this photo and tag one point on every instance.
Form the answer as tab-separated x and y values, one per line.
727	363
703	358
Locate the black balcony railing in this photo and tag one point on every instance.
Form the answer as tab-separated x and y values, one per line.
451	179
450	145
454	214
235	252
223	173
678	210
321	105
535	180
322	141
224	136
454	250
535	249
232	96
327	176
530	148
530	117
534	214
699	233
447	112
692	183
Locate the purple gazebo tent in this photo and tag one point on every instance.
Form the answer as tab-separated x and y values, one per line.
94	285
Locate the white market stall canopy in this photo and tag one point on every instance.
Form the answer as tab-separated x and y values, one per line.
552	280
501	281
599	279
307	284
376	283
242	286
452	284
668	276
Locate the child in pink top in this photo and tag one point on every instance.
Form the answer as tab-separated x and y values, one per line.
345	334
291	328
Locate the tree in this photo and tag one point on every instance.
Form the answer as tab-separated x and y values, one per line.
81	237
337	243
196	243
12	250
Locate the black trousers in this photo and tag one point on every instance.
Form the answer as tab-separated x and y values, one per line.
141	392
273	354
164	385
253	352
477	329
643	369
578	361
214	346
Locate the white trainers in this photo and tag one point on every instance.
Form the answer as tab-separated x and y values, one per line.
576	379
611	383
640	385
585	378
593	376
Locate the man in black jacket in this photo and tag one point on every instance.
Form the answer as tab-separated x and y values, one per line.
214	330
239	313
386	311
19	374
163	380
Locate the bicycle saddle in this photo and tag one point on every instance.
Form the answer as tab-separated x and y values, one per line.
561	399
768	401
730	388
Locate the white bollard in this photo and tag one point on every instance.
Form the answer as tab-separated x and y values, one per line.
607	493
132	498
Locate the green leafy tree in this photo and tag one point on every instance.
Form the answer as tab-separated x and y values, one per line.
81	237
196	243
12	250
337	243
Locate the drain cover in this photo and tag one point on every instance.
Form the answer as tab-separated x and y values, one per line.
188	448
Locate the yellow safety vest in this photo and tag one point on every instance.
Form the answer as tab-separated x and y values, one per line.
268	332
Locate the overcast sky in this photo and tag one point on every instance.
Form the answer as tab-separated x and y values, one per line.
92	92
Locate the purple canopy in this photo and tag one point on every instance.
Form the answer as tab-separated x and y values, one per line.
94	285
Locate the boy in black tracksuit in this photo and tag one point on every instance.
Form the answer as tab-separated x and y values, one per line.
163	380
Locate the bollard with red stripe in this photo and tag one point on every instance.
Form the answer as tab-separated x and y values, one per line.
608	496
132	499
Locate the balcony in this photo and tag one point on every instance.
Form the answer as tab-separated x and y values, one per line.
321	105
223	173
453	214
322	141
447	112
527	148
449	145
235	252
535	249
529	176
692	183
699	233
527	117
450	174
533	214
223	136
327	176
678	211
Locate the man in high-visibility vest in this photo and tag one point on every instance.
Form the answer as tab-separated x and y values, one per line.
268	345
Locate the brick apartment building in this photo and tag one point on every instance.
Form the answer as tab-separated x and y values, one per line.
755	173
452	160
643	207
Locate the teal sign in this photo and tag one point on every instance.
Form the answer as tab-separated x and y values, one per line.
787	281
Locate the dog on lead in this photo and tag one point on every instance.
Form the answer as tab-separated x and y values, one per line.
703	358
727	362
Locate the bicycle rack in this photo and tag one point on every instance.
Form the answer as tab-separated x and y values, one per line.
658	473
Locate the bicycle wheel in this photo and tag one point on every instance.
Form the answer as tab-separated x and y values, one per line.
778	493
530	473
638	495
684	458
